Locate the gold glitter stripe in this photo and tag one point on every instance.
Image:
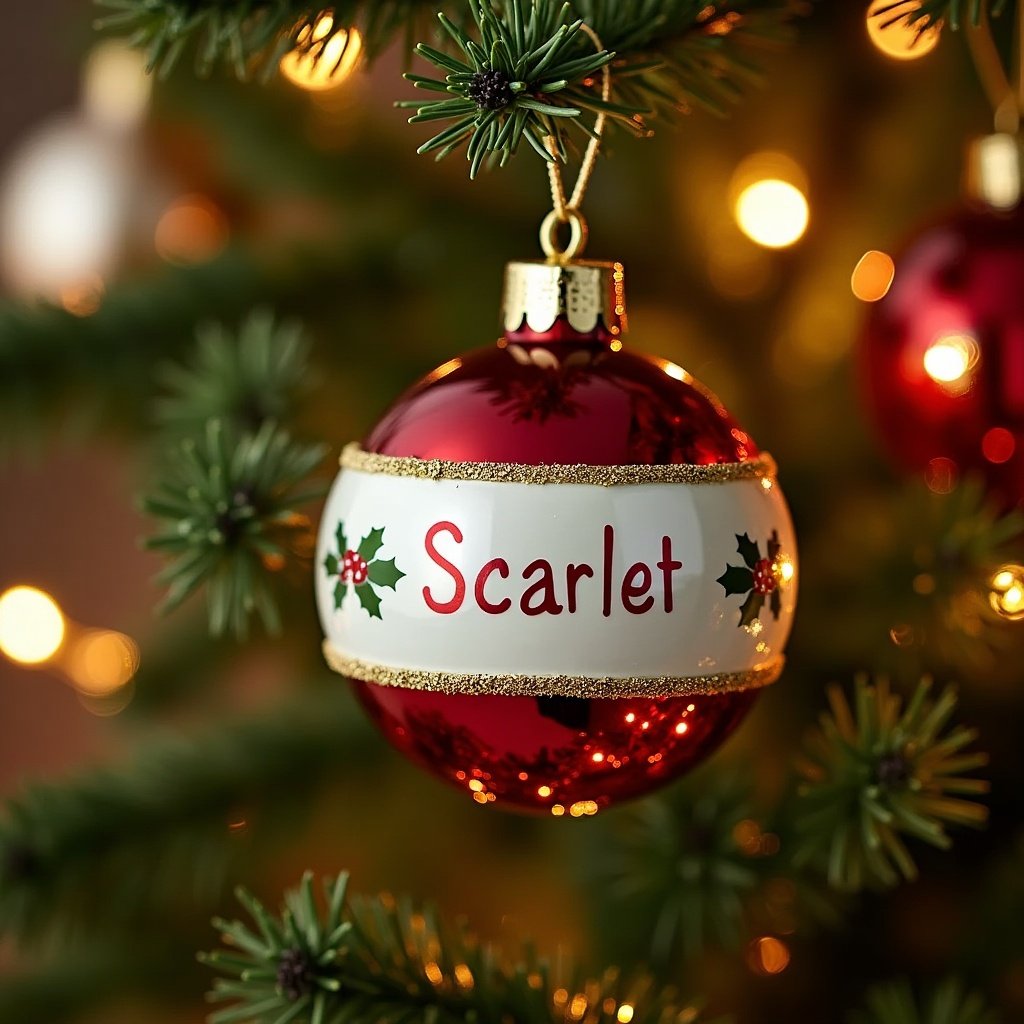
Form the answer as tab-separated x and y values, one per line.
508	685
353	457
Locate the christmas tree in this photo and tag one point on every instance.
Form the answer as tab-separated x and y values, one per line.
223	265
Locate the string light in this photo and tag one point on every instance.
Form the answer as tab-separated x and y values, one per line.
101	661
873	276
191	230
768	955
115	86
895	36
31	625
772	213
322	68
949	361
1006	593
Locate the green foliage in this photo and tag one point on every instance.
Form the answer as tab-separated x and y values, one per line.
882	771
242	378
148	839
249	35
385	961
678	868
532	71
231	510
949	1003
522	81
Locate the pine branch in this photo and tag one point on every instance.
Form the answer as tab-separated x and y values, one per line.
881	772
151	838
230	505
948	1003
531	72
681	870
251	36
925	14
244	377
384	960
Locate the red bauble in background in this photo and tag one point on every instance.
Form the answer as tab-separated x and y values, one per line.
943	352
566	396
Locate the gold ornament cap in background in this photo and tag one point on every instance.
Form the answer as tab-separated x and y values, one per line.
585	292
994	173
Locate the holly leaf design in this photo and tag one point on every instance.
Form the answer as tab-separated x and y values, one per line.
369	599
751	608
774	547
748	549
339	535
331	564
385	573
340	590
775	603
371	544
736	579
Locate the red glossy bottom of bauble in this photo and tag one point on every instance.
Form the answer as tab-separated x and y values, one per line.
554	755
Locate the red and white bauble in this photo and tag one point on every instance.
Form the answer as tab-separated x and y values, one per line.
559	572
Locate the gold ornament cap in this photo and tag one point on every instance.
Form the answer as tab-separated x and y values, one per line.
588	294
994	174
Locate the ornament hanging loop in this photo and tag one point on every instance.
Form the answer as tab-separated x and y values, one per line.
578	233
567	211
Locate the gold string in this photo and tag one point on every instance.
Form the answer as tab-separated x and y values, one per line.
564	208
1001	93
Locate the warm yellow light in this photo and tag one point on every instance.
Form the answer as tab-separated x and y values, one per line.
949	359
786	569
873	276
31	625
115	86
897	38
326	66
544	791
625	1014
772	212
1007	592
102	661
769	955
191	230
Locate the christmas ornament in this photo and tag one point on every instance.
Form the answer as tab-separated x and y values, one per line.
943	351
576	570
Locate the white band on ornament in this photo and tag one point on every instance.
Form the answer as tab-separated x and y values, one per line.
487	578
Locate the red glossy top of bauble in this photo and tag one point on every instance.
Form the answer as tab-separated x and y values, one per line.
565	402
943	354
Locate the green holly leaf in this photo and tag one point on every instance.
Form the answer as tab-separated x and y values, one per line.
748	550
736	579
776	603
339	535
371	544
369	599
774	547
751	608
340	589
385	574
331	565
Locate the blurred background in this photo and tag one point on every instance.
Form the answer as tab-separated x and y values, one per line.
132	211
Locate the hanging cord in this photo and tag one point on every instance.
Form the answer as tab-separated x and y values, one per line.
567	211
1007	99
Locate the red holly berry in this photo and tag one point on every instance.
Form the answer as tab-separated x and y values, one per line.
349	564
360	570
764	577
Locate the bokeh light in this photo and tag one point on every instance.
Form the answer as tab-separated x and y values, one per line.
998	445
31	625
191	230
101	661
768	955
873	276
772	212
115	85
1006	593
898	39
949	361
325	67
